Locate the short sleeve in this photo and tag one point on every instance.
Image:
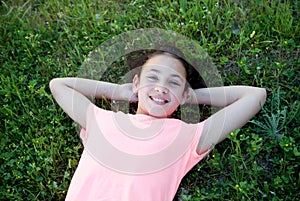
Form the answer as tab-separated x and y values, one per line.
193	155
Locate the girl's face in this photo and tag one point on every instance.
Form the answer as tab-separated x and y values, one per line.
161	86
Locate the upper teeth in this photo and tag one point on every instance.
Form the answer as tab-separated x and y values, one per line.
158	100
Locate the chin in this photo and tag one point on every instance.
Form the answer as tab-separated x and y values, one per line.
160	114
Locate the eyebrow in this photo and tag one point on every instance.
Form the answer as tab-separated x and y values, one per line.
173	75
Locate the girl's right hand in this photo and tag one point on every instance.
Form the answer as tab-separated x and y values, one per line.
71	94
125	92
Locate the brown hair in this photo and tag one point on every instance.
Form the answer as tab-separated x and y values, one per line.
138	58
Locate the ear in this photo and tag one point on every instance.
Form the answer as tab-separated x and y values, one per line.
135	83
185	95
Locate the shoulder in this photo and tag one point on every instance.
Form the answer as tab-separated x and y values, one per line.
95	109
96	115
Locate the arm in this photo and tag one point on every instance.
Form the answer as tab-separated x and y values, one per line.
240	104
71	95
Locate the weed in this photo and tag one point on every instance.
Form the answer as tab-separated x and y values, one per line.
276	118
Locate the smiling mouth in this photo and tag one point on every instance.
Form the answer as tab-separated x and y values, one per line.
159	100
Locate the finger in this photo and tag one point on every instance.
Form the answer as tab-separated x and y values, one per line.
134	98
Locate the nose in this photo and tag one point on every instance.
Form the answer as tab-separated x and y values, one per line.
160	89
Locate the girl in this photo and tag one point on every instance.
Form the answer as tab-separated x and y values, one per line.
144	156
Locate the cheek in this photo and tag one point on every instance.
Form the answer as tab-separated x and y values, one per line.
178	94
143	84
143	91
146	86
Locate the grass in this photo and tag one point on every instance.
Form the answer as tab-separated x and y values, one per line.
251	42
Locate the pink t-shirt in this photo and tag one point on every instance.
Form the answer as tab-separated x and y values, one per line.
133	157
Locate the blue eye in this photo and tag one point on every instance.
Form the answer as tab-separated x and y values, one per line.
174	83
152	78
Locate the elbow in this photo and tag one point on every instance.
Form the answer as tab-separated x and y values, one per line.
54	85
59	85
262	93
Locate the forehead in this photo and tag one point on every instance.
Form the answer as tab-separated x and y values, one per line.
165	62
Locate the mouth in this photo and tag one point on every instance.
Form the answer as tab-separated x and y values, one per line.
160	101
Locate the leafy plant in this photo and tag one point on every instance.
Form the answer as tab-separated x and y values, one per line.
276	118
